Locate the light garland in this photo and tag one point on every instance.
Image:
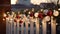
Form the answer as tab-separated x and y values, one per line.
39	15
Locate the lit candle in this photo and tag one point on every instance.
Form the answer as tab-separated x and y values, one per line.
31	26
11	23
17	26
37	25
44	26
26	23
7	26
53	26
14	27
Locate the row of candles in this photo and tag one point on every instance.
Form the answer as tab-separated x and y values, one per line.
19	19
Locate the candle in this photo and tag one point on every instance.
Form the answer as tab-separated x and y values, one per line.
22	28
17	26
14	27
26	23
53	26
31	26
11	21
44	26
7	26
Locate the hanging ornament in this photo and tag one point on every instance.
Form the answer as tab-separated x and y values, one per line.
55	13
49	13
40	15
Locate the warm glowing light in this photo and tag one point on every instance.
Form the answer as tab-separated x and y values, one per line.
4	15
3	19
56	23
59	9
55	13
13	13
41	9
36	15
35	2
13	1
7	12
29	12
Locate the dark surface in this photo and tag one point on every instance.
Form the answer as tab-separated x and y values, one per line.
4	6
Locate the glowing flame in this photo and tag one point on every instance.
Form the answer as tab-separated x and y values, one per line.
13	1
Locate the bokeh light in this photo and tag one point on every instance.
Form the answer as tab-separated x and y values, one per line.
13	1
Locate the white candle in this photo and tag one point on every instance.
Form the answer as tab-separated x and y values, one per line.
31	26
26	23
53	26
44	26
11	25
7	26
17	26
37	25
14	27
22	28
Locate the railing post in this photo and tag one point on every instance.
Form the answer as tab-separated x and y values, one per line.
37	25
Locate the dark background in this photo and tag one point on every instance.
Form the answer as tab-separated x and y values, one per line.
4	6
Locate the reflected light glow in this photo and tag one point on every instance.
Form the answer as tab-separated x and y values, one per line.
13	1
35	2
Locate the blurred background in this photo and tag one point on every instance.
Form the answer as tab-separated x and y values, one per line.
17	5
